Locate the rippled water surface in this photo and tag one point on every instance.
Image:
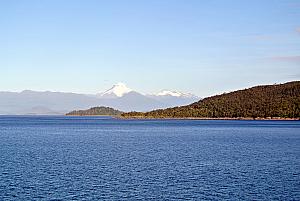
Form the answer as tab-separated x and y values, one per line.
97	158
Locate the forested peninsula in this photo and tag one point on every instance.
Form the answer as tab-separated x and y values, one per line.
278	101
103	111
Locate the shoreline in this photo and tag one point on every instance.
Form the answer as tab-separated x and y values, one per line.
206	118
193	118
90	115
167	118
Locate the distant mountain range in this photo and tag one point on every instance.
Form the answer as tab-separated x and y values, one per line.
119	97
269	101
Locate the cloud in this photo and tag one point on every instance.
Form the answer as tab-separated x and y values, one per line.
287	58
263	37
298	30
294	76
294	5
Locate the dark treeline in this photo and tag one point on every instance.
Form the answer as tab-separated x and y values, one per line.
278	100
96	111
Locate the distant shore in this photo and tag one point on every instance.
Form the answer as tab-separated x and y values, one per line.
205	118
189	118
74	115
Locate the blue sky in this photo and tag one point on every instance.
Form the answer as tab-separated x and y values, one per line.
203	47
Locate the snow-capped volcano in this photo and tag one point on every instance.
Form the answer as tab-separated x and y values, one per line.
119	97
123	98
174	94
119	90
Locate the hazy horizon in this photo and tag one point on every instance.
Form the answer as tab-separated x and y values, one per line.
204	48
144	93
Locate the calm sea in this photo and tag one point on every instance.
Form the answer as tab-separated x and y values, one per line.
101	158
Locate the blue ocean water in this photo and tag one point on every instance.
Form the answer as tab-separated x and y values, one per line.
101	158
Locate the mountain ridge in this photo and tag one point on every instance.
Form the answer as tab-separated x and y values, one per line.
119	97
265	101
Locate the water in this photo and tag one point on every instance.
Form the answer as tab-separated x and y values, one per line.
96	158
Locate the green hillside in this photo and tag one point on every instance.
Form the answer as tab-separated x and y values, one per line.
278	100
96	111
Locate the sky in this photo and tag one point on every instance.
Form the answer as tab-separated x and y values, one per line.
203	47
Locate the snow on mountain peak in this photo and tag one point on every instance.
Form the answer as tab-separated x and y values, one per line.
174	93
118	89
169	93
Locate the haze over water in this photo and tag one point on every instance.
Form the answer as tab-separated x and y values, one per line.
90	158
